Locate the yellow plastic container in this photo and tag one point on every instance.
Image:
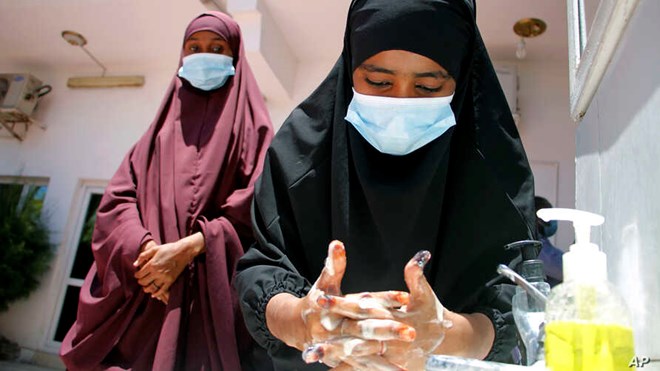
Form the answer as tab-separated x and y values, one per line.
587	346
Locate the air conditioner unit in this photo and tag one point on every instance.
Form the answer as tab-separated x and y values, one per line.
19	94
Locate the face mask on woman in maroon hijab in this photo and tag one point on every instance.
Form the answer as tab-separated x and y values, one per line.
172	224
208	61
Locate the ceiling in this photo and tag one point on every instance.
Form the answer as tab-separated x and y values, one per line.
125	34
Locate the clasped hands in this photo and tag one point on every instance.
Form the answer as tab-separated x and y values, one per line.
389	330
158	266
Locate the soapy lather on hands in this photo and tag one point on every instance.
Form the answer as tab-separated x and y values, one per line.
387	330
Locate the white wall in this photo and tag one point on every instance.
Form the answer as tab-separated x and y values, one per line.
88	132
617	172
547	131
309	75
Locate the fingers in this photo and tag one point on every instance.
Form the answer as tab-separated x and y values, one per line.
146	280
420	289
162	296
343	367
330	321
144	257
333	272
378	329
357	307
386	299
340	349
163	289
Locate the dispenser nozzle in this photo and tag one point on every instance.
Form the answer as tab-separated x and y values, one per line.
582	221
518	280
583	260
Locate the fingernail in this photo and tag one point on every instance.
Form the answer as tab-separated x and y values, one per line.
422	257
402	298
312	354
135	263
325	301
337	249
406	333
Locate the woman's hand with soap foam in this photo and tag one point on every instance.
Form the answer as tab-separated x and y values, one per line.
354	326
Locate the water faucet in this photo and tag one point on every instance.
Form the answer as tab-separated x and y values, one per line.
528	306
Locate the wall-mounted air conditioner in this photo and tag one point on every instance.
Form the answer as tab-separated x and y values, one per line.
19	95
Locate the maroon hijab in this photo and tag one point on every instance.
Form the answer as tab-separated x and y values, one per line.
193	170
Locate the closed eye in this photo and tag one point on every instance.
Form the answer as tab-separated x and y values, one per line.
377	83
429	89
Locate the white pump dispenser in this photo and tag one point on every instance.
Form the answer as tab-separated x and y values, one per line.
584	261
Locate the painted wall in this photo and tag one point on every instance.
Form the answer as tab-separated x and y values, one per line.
88	133
547	131
617	172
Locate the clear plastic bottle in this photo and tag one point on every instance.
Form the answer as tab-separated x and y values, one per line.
588	325
528	312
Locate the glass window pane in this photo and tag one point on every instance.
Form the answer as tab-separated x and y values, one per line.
10	196
69	312
84	257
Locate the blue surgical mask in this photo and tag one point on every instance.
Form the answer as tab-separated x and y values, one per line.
399	126
207	71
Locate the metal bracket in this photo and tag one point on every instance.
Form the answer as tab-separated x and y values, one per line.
18	130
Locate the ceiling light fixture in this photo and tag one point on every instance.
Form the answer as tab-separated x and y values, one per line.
526	28
103	81
220	5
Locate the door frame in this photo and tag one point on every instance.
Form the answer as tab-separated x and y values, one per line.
69	247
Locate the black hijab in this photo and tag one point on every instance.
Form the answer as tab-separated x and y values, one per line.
463	196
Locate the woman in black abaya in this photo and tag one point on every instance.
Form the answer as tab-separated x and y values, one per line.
407	145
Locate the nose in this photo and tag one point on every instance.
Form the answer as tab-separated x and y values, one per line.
403	91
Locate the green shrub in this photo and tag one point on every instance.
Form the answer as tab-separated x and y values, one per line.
25	249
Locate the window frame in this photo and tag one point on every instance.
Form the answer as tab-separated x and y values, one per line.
589	56
80	203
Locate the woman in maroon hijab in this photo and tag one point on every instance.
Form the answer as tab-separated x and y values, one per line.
174	220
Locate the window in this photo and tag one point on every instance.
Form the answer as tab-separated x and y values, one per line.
79	262
32	187
590	54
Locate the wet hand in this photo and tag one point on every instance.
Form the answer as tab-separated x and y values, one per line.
425	313
352	326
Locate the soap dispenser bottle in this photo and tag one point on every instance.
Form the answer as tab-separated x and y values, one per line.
588	326
529	312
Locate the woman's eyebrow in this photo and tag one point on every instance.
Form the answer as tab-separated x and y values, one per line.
435	74
374	68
